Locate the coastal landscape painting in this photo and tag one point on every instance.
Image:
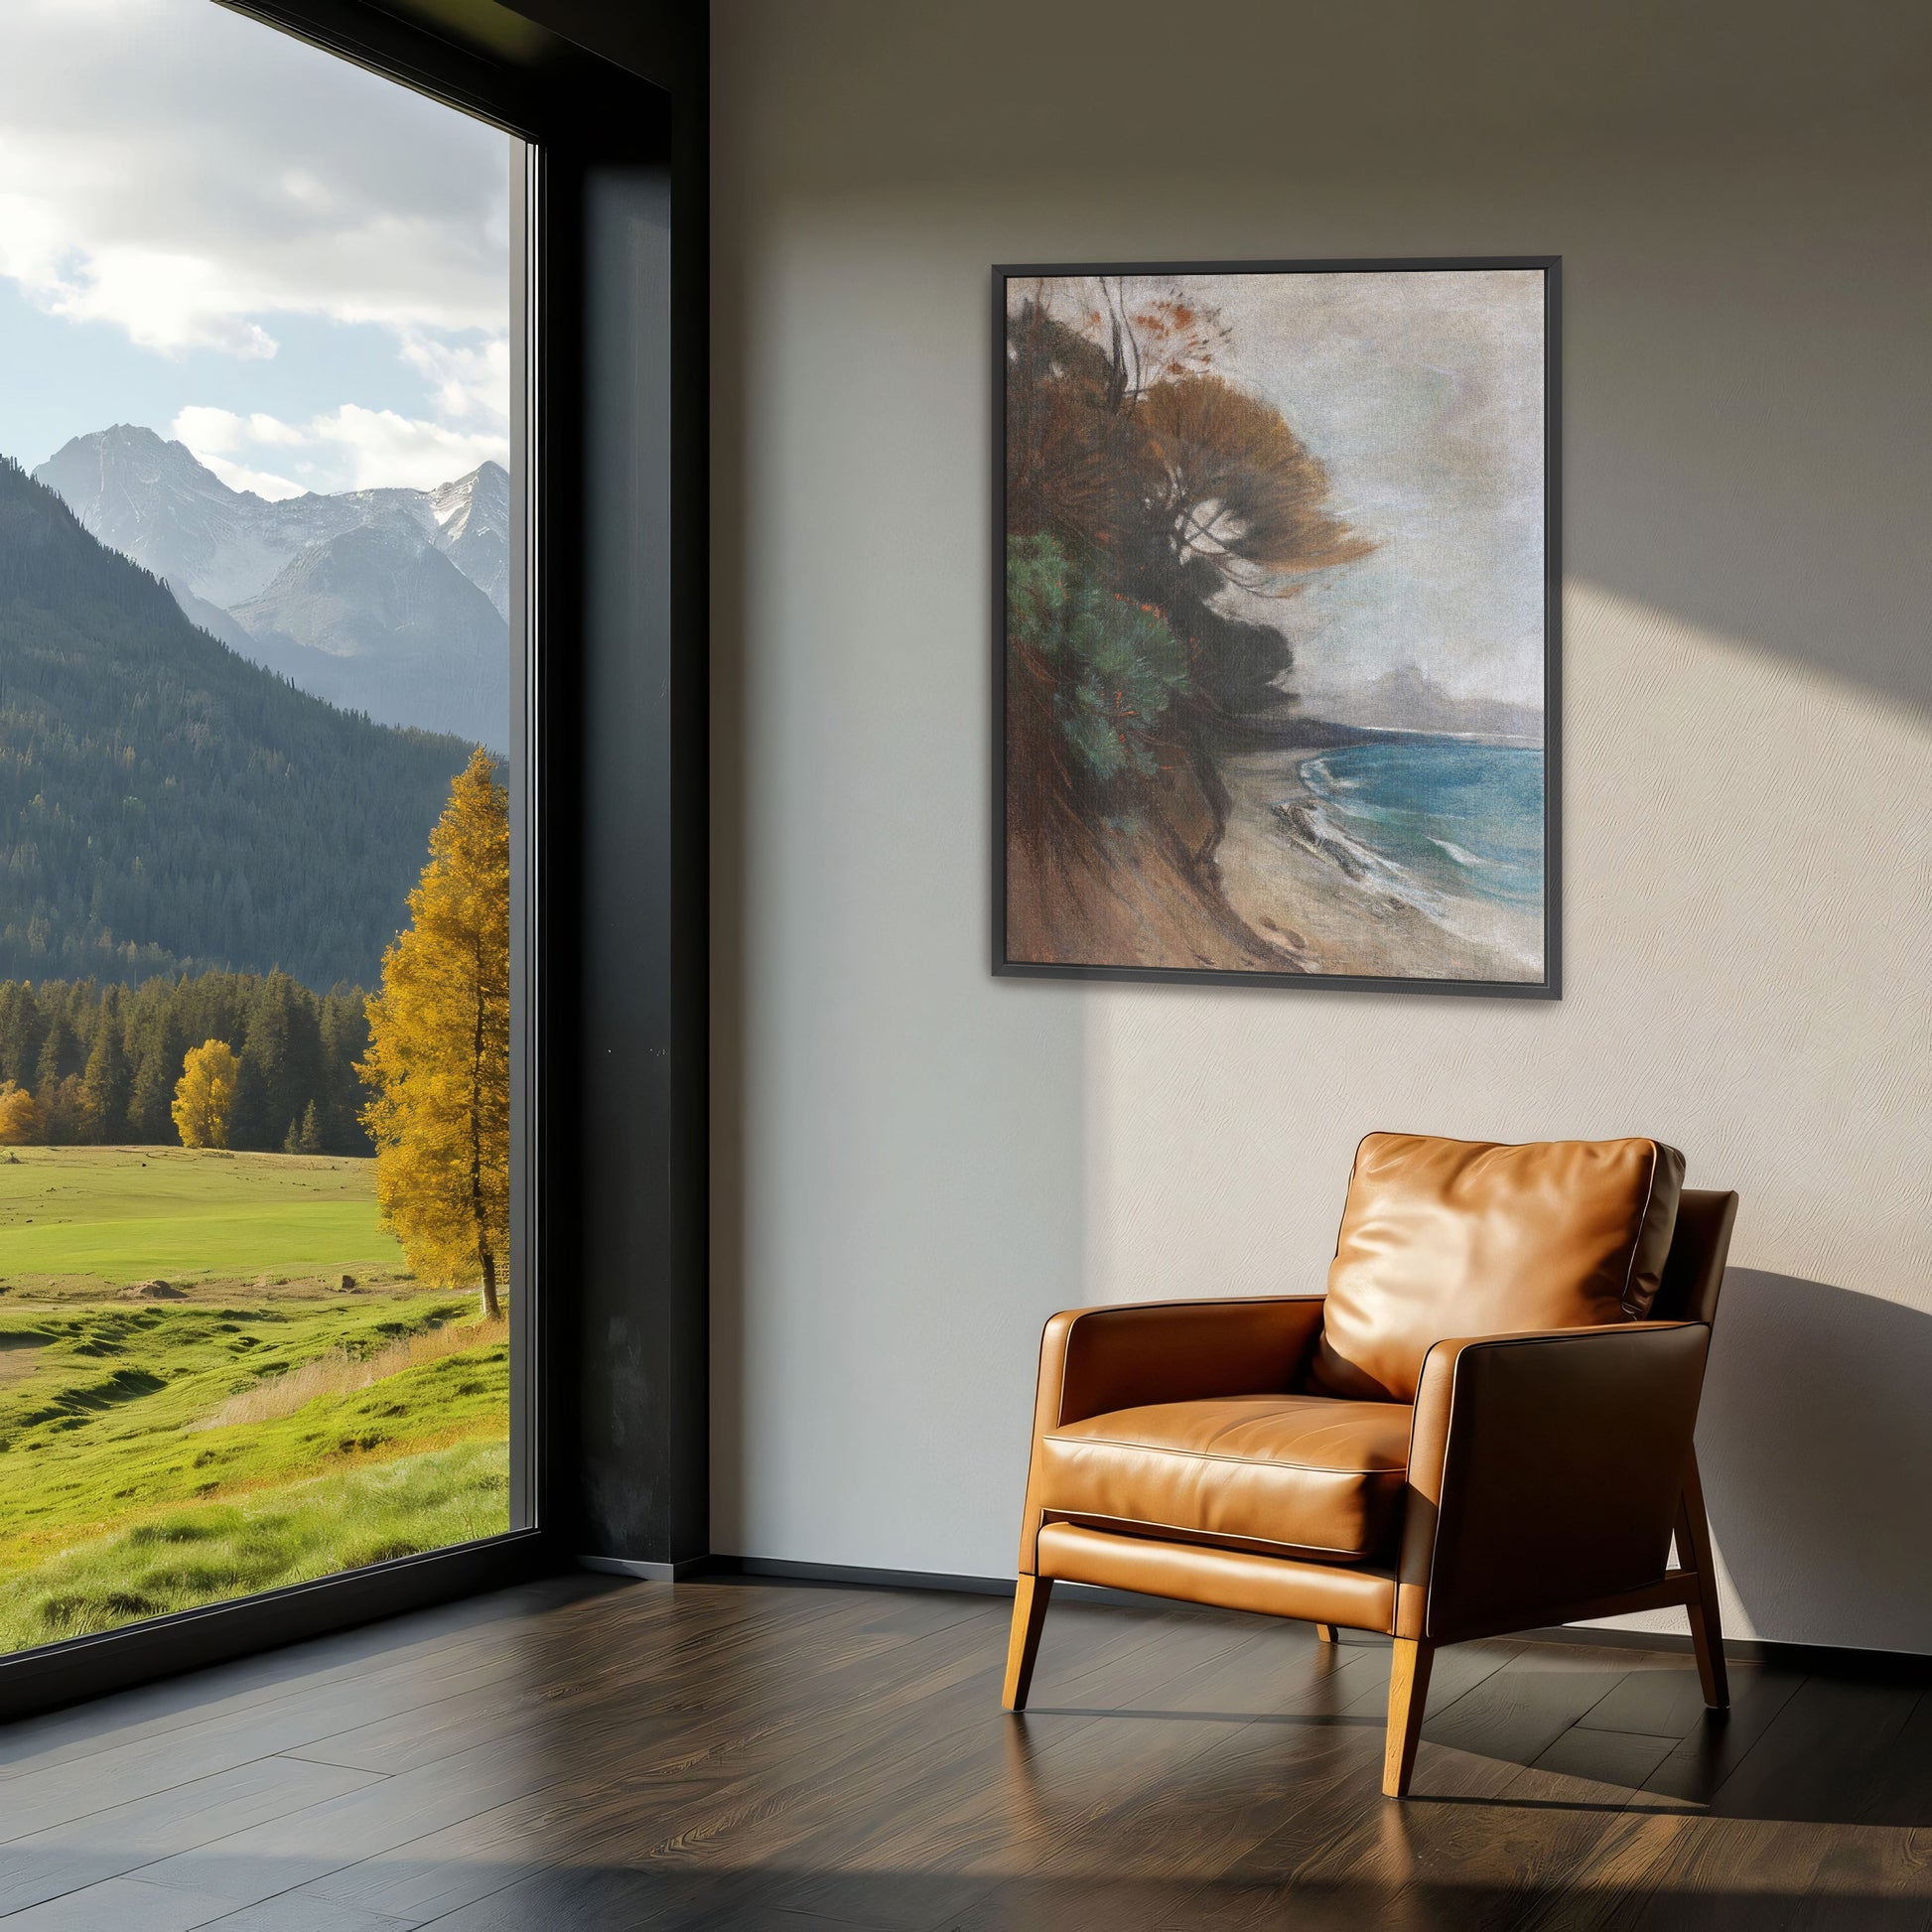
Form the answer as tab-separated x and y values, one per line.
1276	646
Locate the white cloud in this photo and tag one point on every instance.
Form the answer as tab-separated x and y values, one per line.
199	181
203	428
223	174
391	449
347	448
467	379
263	483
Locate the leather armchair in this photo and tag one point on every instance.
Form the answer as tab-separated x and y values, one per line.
1530	1477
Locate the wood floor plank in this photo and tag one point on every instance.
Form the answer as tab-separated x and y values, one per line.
1660	1696
295	1912
1717	1743
31	1745
497	1849
157	1764
294	1847
124	1837
1816	1758
1334	1806
311	1703
1613	1764
771	1834
1292	1737
1902	1778
121	1906
581	1677
1513	1717
1165	1846
912	1822
1007	1796
662	1749
1484	1835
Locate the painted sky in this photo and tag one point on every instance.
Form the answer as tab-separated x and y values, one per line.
297	268
1422	396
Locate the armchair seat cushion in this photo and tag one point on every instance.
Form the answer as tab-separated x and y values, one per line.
1288	1475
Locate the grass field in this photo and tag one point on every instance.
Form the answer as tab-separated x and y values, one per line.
263	1425
108	1216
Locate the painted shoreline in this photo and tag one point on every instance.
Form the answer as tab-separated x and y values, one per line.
1289	890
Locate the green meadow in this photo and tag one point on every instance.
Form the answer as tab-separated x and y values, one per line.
291	1403
104	1216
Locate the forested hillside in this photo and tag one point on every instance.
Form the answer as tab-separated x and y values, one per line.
166	807
100	1062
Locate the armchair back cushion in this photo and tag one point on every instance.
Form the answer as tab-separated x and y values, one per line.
1446	1239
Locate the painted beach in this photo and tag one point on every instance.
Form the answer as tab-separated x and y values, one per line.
1414	857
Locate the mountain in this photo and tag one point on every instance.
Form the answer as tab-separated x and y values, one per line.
1409	698
166	805
375	620
472	518
218	548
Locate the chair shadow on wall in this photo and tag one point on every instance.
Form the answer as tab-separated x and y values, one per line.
1815	1438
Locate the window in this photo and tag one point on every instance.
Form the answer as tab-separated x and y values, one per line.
262	751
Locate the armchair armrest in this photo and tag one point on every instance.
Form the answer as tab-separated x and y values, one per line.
1543	1472
1093	1361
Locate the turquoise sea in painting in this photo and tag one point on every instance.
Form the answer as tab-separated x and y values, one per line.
1418	820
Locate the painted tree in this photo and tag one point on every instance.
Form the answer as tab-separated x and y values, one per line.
1171	505
204	1094
438	1062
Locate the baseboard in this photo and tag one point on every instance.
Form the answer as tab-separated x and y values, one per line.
142	1653
1819	1660
651	1572
781	1570
1813	1659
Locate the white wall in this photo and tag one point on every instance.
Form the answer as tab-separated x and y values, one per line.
915	1163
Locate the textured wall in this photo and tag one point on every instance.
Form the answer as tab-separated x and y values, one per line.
915	1163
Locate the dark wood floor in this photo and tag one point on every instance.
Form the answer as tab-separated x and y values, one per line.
583	1754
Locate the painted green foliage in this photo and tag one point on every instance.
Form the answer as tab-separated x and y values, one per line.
1118	664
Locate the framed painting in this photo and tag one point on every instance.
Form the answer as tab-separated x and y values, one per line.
1277	623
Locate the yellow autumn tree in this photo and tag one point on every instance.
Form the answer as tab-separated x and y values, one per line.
204	1094
19	1116
439	1060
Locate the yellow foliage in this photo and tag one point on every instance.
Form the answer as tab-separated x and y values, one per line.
204	1094
438	1063
19	1118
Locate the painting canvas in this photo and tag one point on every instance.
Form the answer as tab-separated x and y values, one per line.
1276	627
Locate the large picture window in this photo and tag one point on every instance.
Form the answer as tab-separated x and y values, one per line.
262	751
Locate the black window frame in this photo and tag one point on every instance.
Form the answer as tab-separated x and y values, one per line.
609	1371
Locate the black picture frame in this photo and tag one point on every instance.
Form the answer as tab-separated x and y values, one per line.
1550	987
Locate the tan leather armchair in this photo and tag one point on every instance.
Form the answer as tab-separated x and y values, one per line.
1485	1425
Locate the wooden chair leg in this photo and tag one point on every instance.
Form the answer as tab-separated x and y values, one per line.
1325	1633
1022	1645
1693	1551
1408	1694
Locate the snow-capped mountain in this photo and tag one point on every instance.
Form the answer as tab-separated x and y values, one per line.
231	560
473	521
375	620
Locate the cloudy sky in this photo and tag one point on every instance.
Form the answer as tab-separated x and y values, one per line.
298	269
1423	394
